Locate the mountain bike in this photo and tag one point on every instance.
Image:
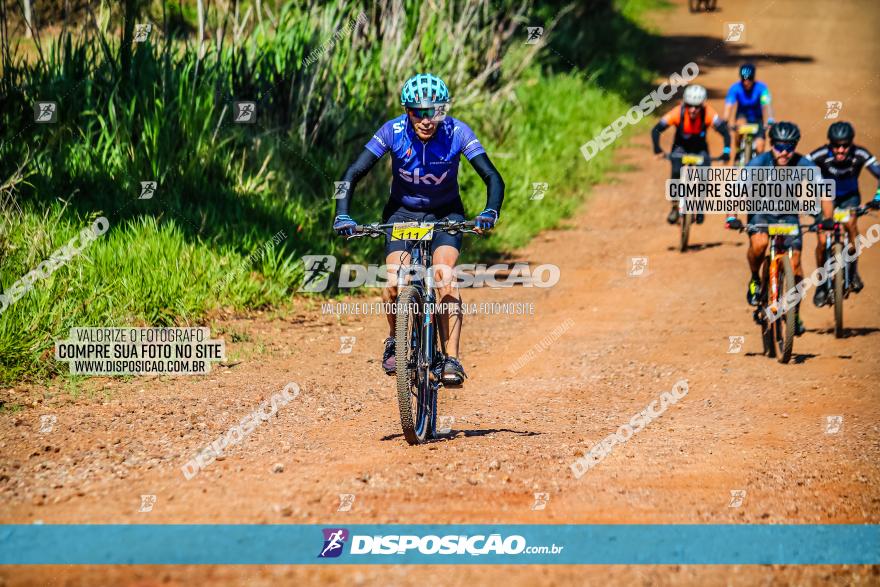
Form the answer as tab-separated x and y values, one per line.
697	5
745	152
834	247
686	220
777	279
420	350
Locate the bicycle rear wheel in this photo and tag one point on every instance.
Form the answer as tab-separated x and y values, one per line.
686	220
416	397
785	325
837	251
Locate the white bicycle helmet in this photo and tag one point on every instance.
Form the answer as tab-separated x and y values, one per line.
694	95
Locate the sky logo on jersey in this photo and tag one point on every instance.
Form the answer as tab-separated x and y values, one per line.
417	177
334	540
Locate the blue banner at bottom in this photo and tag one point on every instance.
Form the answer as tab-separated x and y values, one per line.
691	544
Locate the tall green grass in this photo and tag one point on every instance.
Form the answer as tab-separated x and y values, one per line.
224	189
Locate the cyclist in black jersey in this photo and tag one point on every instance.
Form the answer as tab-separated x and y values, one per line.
842	160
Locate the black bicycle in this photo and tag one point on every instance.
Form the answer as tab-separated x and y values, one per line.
420	350
686	220
834	247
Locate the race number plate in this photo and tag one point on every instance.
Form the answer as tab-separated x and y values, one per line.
412	231
692	159
789	229
748	129
842	215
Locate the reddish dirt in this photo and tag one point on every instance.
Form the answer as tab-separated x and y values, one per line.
748	423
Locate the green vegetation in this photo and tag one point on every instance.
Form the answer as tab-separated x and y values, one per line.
157	111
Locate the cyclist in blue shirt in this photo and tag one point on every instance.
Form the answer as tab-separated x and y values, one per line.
752	101
425	145
784	138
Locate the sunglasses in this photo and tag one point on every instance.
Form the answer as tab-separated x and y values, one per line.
434	112
839	146
784	147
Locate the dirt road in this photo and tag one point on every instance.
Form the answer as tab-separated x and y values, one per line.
746	424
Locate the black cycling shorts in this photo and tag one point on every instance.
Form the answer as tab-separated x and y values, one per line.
676	161
795	242
396	212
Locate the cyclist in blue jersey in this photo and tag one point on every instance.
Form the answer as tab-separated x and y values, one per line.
784	138
752	101
843	161
425	145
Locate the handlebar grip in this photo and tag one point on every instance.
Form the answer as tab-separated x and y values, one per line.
360	230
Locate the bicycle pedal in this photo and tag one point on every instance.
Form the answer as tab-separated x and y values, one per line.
437	371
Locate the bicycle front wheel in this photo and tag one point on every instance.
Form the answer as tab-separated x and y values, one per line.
768	329
415	392
785	325
686	220
837	251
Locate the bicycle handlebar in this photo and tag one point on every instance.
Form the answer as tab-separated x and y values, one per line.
672	156
860	211
376	230
744	227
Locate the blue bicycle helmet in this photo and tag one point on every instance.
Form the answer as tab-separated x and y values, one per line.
747	71
424	90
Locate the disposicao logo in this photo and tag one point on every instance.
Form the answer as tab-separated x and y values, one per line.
334	540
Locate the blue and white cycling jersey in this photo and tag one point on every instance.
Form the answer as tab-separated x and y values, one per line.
748	104
425	175
765	159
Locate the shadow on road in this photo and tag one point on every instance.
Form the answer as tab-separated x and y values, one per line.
698	247
452	435
850	332
711	51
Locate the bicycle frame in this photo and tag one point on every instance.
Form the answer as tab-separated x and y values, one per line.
776	242
747	134
840	235
420	256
